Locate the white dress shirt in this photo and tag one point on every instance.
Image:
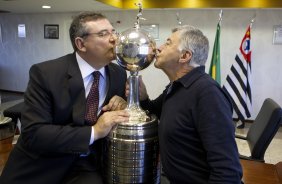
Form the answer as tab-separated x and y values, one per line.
86	72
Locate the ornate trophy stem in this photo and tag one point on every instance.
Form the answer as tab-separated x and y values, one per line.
137	114
133	98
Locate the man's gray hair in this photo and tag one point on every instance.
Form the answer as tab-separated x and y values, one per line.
193	39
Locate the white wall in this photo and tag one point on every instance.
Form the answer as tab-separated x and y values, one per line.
18	54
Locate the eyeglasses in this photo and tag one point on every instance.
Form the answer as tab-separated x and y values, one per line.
101	34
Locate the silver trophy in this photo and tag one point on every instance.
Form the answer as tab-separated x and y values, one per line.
131	152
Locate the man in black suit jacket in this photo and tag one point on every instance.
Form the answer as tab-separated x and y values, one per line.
56	145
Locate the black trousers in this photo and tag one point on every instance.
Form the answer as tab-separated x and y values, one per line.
86	170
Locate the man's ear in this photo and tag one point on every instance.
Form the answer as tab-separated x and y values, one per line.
186	56
79	44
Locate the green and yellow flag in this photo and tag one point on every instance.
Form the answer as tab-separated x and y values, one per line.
215	61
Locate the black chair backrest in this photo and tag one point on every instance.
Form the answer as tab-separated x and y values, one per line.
264	128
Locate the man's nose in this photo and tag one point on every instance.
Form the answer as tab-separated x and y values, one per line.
113	37
158	50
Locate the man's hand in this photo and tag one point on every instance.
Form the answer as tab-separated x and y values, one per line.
116	103
143	95
107	121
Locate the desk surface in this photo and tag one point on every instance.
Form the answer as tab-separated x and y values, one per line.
279	171
253	172
259	173
5	149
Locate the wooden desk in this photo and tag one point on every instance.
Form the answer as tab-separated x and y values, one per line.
253	172
259	173
5	149
279	170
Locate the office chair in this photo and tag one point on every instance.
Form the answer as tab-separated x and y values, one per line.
262	130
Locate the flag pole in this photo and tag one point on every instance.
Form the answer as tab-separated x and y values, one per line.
214	70
253	20
220	17
178	19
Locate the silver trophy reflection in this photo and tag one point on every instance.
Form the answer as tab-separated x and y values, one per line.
131	153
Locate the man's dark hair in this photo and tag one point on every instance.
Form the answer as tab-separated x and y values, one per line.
77	27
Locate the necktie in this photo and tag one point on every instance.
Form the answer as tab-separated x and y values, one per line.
92	102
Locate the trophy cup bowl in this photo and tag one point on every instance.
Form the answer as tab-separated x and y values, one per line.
135	49
131	151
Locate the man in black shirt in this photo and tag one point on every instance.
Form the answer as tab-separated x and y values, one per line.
196	130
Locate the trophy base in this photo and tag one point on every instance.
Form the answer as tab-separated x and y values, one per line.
137	115
131	153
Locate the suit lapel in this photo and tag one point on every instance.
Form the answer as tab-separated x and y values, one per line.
111	73
77	92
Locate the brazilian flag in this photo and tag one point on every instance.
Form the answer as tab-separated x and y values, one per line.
215	61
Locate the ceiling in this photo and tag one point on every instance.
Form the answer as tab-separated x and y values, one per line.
34	6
